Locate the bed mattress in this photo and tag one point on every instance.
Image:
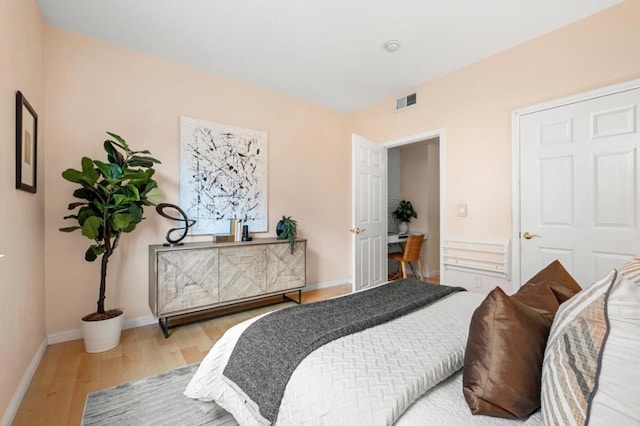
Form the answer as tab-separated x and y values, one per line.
375	377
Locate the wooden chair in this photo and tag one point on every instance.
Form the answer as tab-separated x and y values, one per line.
411	253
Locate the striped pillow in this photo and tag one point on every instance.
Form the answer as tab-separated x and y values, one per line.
573	355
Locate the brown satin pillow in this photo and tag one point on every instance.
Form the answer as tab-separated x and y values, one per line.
557	279
507	339
539	297
503	359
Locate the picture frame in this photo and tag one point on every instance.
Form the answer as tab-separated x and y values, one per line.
223	176
26	145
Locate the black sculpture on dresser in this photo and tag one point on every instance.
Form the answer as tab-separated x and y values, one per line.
160	208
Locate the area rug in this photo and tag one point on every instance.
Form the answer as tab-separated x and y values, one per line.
155	400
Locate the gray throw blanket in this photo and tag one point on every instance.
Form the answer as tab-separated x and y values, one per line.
271	348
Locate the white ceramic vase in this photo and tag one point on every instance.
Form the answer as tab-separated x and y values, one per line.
403	228
100	336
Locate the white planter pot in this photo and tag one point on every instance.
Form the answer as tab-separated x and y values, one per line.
403	228
100	336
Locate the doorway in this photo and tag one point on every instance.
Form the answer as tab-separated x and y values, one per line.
414	175
367	261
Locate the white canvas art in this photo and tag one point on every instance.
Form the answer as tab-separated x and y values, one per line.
223	176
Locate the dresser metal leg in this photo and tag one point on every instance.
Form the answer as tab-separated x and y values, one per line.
299	301
164	325
164	321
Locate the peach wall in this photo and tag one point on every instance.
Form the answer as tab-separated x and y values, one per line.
419	184
22	213
413	182
474	105
414	187
92	87
433	183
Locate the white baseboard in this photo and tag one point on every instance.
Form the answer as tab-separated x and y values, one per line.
76	333
64	336
327	284
139	322
15	402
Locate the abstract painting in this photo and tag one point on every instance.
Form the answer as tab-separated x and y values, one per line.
223	176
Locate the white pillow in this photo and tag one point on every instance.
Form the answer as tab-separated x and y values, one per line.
617	395
590	373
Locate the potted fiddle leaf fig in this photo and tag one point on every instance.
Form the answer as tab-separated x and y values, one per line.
112	194
287	229
404	212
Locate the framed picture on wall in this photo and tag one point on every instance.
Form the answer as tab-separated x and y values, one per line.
223	176
26	145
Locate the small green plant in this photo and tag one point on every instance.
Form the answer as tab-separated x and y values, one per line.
287	229
114	194
404	212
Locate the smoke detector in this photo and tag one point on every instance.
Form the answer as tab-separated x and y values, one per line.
391	45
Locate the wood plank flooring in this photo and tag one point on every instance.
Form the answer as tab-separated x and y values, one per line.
67	373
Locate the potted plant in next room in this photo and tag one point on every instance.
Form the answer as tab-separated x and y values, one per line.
286	229
404	212
113	195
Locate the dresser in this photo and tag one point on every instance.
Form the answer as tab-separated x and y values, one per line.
200	276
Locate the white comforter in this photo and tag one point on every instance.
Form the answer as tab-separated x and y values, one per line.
444	405
367	378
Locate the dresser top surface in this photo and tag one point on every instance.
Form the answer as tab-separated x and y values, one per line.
210	244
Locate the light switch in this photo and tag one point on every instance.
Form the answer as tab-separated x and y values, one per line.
462	210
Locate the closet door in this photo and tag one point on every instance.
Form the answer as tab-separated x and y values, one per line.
579	186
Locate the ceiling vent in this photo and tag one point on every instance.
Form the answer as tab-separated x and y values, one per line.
406	101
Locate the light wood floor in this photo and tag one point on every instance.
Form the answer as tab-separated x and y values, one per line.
431	280
67	373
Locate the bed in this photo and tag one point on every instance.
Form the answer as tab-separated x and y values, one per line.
405	371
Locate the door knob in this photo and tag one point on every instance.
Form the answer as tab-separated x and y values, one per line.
357	230
529	236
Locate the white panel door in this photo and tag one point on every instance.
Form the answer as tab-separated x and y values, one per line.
579	186
369	223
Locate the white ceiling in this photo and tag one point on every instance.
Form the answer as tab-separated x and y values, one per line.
326	51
